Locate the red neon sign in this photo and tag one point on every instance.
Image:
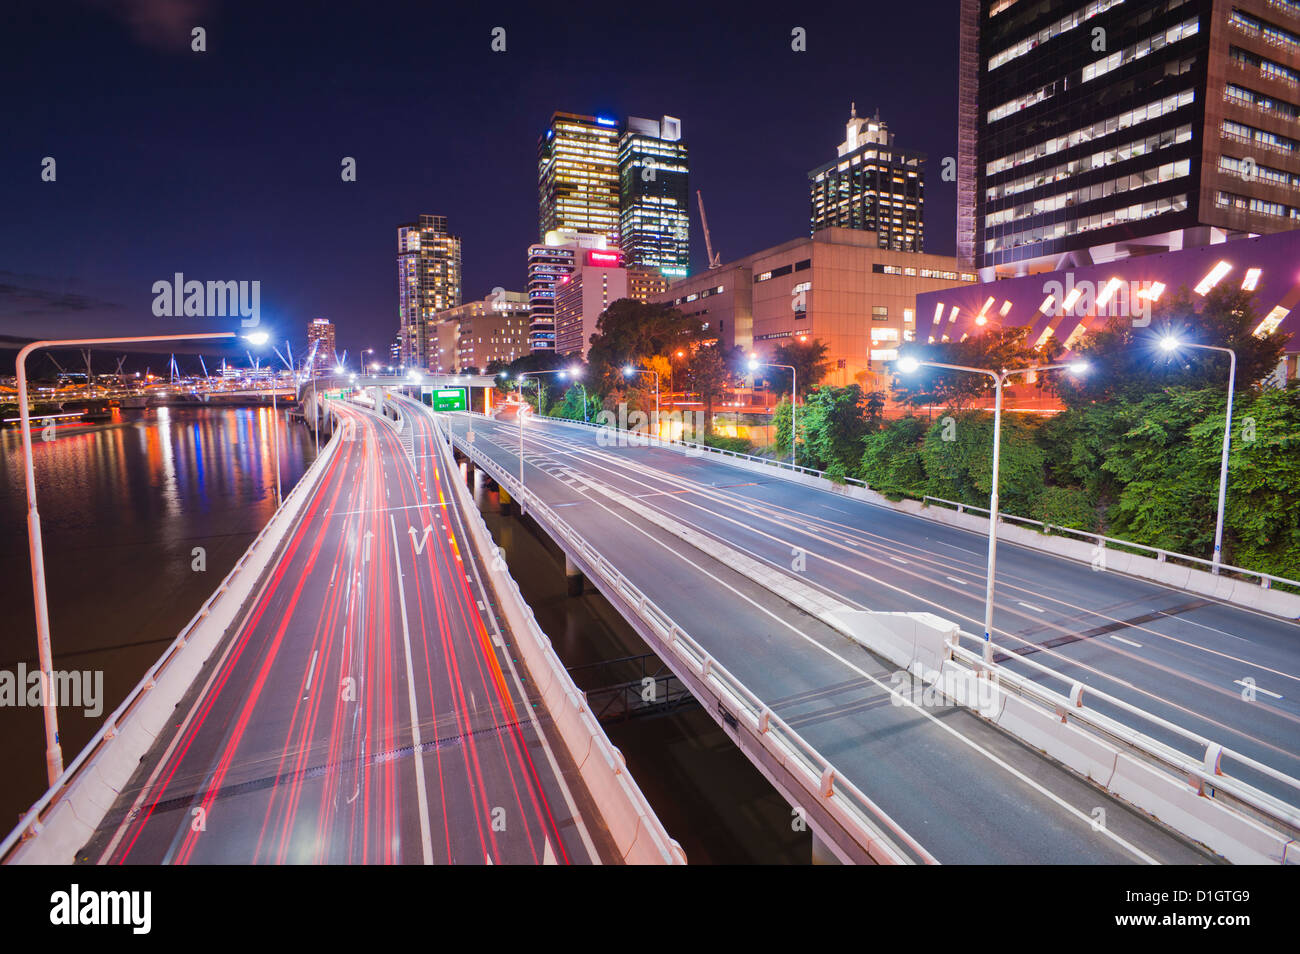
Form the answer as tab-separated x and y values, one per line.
595	257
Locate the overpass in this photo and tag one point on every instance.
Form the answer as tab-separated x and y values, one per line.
1111	726
364	687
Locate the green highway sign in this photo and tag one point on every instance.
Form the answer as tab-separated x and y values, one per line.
449	399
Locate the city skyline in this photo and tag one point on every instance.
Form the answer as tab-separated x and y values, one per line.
224	159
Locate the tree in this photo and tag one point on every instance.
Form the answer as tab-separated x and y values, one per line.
710	372
997	349
1127	362
808	358
891	458
629	331
833	423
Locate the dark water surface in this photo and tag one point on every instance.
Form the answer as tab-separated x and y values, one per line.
123	508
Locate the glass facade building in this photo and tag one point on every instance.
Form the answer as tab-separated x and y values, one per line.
1095	130
654	196
577	176
428	281
872	186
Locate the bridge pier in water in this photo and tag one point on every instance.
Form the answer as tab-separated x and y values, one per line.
573	578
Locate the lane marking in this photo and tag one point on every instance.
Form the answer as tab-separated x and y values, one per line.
312	671
897	559
1036	609
1241	683
426	843
1126	642
955	580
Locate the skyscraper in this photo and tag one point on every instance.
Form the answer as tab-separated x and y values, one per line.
654	196
871	186
320	334
577	176
549	262
428	280
1102	129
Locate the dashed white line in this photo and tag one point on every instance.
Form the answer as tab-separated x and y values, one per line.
1036	609
1246	685
955	580
1126	642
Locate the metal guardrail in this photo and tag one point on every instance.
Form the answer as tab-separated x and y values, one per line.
814	771
30	824
1266	580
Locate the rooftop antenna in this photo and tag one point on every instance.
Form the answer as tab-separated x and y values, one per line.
714	260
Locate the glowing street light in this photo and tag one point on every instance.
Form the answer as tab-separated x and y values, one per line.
908	365
754	365
629	371
35	544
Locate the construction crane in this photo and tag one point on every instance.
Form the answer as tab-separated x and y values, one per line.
715	261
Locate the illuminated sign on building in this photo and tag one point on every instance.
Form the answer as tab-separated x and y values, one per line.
608	257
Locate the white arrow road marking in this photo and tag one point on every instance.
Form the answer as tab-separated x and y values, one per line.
548	858
419	547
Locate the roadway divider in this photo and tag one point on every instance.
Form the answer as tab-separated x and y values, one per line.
70	811
637	831
1232	584
1236	820
830	803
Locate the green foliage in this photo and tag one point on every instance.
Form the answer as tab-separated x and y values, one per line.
629	331
808	358
832	425
891	461
957	454
1067	507
740	445
577	405
710	372
994	348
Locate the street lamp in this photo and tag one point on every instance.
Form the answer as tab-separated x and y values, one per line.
520	413
754	365
1169	344
909	365
629	371
35	546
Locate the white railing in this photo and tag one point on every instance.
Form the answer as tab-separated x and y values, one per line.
30	824
1207	770
818	776
1266	580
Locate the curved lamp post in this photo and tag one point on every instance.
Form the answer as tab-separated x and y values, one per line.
909	365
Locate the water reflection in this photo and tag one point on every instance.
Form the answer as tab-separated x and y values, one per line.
123	506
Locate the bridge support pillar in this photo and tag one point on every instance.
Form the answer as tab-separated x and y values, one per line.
573	578
821	852
503	501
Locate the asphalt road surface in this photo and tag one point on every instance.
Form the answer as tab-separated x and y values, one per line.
367	707
967	791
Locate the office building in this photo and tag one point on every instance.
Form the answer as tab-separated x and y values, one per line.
428	281
1097	130
577	176
839	287
549	262
654	196
1065	305
871	185
646	284
478	333
320	336
596	281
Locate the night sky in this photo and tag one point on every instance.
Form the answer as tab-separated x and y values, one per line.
225	165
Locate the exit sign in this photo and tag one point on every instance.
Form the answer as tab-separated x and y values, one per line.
449	399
